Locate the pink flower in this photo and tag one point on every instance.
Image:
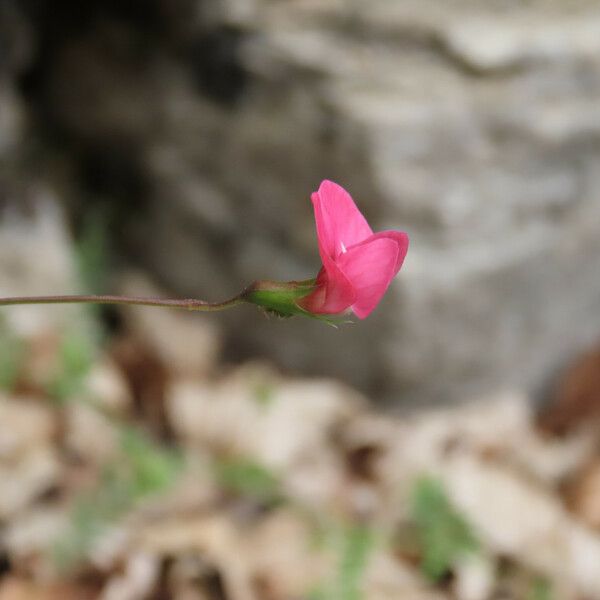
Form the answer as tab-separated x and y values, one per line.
358	265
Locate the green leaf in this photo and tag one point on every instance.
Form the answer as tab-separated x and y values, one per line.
142	469
247	478
356	545
12	355
152	467
264	394
92	252
76	356
353	544
540	590
443	535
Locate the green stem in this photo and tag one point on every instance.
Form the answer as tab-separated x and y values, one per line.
188	303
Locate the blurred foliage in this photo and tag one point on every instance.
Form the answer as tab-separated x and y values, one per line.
76	355
264	394
350	543
150	467
540	590
81	343
78	344
92	252
356	544
143	468
353	544
247	478
443	535
12	354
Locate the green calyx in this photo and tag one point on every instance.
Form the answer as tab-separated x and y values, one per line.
279	297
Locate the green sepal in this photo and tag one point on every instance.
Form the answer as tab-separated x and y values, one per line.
280	297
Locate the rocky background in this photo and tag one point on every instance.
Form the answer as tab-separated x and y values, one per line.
198	128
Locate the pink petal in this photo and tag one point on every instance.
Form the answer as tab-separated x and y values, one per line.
370	267
398	236
339	222
334	293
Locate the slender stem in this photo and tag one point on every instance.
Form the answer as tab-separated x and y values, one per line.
188	303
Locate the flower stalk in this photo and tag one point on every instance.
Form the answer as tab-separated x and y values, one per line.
185	303
278	297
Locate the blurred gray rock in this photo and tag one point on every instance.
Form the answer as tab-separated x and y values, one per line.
474	128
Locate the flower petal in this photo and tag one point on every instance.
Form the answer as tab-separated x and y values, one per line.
370	267
339	222
334	293
399	236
